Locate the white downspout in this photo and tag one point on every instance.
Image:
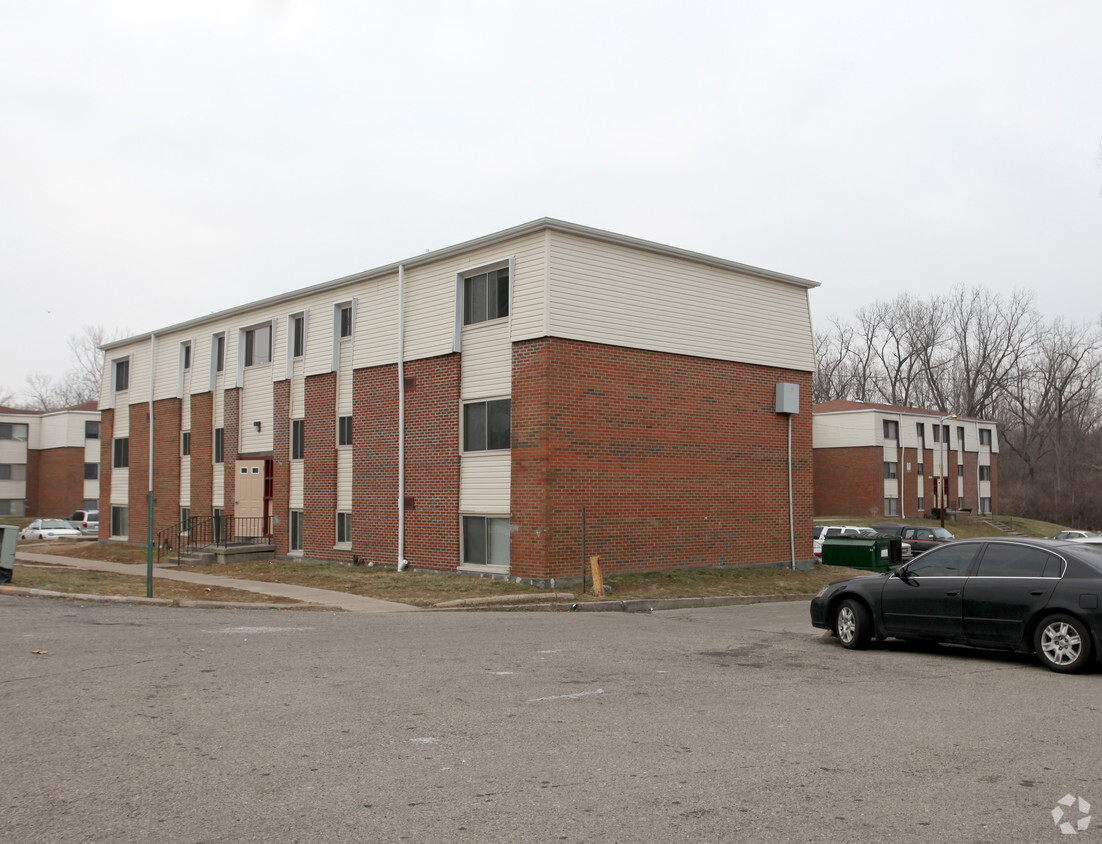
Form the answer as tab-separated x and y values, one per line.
902	473
791	506
401	418
149	491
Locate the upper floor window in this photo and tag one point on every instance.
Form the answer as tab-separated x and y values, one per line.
13	431
921	469
185	443
122	453
258	345
344	430
91	430
345	317
891	470
15	471
298	439
960	436
960	470
891	429
985	473
486	296
91	471
219	352
219	445
921	431
298	335
486	425
122	375
185	355
985	436
941	434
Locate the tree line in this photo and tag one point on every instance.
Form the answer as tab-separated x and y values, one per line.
989	356
79	384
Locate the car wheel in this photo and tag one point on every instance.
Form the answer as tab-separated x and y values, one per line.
852	624
1062	643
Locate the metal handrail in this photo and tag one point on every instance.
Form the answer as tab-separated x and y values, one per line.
198	532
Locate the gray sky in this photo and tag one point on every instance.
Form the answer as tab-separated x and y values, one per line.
165	159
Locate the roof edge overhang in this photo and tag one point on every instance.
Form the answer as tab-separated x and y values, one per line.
543	224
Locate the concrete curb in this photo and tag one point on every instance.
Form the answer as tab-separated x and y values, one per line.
25	592
491	600
635	605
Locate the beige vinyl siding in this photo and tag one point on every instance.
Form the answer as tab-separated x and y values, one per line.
376	331
13	451
296	499
607	293
185	412
344	381
298	391
843	430
344	479
91	451
256	406
13	489
487	368
218	487
484	482
185	481
218	409
120	487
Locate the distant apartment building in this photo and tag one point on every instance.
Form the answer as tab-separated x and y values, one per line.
49	460
500	407
880	460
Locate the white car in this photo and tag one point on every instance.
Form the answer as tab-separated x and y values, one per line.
48	529
1074	535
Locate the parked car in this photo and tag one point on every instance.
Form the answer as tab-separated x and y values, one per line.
48	529
920	538
821	532
1009	593
86	521
1075	534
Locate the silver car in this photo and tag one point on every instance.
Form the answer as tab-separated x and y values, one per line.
86	521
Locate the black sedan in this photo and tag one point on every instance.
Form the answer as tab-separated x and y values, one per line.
1038	596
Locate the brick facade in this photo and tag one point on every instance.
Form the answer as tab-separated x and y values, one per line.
681	462
106	437
55	481
320	481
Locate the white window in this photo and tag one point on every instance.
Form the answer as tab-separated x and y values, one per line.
13	431
258	345
486	425
120	376
298	335
18	471
344	528
891	506
344	430
120	521
985	505
985	436
345	319
891	429
985	473
185	355
486	540
486	296
921	504
296	530
891	470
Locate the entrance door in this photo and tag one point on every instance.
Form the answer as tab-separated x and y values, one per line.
248	495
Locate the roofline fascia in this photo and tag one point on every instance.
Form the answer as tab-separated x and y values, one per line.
542	224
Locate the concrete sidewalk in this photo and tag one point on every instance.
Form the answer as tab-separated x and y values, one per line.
307	594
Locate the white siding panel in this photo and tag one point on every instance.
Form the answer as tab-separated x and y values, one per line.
298	392
185	481
91	489
484	481
13	489
296	498
344	479
344	382
185	413
606	293
120	487
218	487
843	430
218	411
13	451
122	420
91	451
377	322
487	368
256	406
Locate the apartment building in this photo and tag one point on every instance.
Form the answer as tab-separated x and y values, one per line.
882	460
494	407
49	461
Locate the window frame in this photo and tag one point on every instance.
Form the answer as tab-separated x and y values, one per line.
342	529
91	425
891	505
185	443
95	473
344	431
460	322
985	437
120	453
984	473
248	350
298	439
467	521
120	518
891	470
218	446
891	429
469	410
12	431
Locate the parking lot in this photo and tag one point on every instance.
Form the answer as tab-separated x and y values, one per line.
727	724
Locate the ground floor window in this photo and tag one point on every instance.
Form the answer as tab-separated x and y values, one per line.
120	521
891	506
11	506
296	530
486	540
985	505
922	505
344	528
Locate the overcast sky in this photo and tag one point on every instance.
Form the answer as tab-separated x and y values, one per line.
162	159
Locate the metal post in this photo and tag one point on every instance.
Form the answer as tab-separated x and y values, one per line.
583	549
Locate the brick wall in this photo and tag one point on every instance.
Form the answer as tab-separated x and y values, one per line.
850	481
681	462
202	454
59	481
320	482
230	439
138	489
166	467
375	464
432	463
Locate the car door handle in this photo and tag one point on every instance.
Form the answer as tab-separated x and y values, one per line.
1038	593
951	594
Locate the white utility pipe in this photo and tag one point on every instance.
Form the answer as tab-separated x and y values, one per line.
401	417
791	516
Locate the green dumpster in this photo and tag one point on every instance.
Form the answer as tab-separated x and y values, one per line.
879	553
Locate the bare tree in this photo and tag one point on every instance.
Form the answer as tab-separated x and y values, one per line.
81	383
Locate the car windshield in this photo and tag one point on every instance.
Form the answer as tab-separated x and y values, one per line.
942	533
51	524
